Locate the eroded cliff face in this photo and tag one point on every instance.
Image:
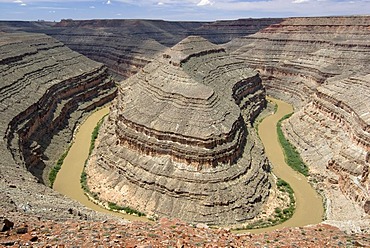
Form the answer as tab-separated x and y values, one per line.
178	141
126	46
45	90
321	66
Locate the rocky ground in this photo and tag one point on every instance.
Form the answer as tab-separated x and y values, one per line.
28	231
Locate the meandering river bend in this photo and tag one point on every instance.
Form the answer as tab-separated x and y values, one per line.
309	207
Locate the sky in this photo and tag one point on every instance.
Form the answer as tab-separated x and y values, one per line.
181	10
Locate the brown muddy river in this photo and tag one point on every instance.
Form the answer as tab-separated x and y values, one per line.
68	178
309	207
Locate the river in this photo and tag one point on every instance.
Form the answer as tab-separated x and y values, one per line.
309	207
67	181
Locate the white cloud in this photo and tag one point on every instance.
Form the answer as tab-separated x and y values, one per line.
92	7
160	3
20	2
108	2
300	1
204	3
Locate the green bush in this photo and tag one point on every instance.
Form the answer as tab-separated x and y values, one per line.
280	215
54	171
128	210
95	134
83	180
292	157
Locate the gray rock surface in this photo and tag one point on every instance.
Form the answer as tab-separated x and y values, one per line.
126	46
45	90
179	143
321	65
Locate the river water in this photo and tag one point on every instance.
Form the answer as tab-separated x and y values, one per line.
309	207
67	181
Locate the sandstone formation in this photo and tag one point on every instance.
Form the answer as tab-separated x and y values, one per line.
318	64
45	90
126	46
322	66
178	140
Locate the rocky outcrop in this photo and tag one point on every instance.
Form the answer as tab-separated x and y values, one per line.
126	46
46	88
297	55
321	65
178	140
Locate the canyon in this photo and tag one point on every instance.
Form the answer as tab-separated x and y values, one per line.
46	90
177	142
320	65
126	46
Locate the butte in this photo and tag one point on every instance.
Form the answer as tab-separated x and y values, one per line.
179	142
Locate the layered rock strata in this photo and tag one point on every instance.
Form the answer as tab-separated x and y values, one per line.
178	140
321	65
126	46
45	90
297	55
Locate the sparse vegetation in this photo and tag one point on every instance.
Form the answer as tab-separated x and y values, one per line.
128	210
292	157
83	180
280	215
54	171
95	133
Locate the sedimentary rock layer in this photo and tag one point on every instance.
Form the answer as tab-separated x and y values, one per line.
322	65
45	90
177	141
126	46
297	55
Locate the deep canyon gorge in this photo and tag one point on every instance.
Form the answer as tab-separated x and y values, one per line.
180	133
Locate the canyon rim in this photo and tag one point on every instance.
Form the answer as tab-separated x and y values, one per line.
320	65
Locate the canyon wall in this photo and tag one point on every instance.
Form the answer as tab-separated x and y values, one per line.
178	141
318	64
321	65
126	46
45	90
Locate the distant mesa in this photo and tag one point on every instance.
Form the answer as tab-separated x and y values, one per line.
178	141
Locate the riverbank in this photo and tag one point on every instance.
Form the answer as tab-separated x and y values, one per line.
309	209
309	206
68	178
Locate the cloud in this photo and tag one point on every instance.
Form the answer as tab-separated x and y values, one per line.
92	7
20	2
300	1
201	9
204	3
